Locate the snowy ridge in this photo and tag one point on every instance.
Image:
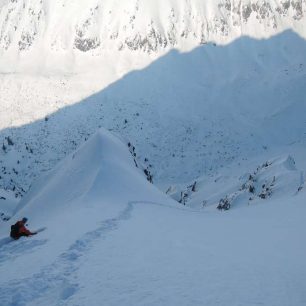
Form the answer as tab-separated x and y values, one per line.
95	167
97	180
47	29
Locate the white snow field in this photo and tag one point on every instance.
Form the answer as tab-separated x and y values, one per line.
113	239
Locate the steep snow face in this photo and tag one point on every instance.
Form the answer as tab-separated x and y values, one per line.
65	29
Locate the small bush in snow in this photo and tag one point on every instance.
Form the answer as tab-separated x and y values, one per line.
251	189
224	204
9	141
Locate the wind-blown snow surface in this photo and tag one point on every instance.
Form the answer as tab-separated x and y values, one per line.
113	239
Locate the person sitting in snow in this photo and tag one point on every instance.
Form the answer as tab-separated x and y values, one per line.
19	229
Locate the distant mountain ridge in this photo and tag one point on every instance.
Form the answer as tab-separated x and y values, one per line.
95	25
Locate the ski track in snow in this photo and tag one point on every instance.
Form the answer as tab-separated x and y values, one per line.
59	276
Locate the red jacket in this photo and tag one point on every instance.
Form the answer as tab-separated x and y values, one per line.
23	231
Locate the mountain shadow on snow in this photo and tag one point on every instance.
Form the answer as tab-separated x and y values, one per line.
189	114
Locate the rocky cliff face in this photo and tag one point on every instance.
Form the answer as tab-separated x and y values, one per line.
95	25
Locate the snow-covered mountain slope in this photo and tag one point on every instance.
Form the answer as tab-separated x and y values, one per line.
61	33
277	178
103	165
216	110
190	114
88	186
112	238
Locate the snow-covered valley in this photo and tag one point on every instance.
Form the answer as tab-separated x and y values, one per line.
204	98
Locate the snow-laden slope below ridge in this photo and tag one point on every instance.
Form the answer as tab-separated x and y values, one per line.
96	181
112	238
65	33
276	179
